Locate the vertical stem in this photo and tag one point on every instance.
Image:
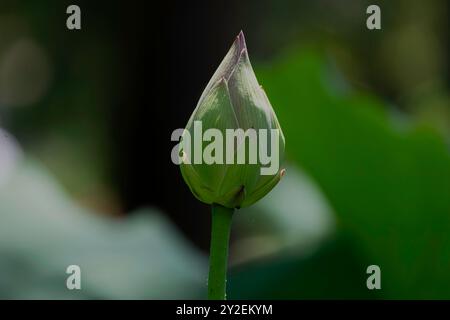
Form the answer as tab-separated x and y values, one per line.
218	259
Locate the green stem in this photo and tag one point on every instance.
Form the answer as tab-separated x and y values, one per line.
218	260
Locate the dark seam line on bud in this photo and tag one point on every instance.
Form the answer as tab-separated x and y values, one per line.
239	195
237	64
232	105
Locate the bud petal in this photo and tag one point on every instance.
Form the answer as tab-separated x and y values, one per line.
233	99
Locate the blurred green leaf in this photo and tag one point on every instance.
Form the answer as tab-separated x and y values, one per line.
333	272
389	185
42	232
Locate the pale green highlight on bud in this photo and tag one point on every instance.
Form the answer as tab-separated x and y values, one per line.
234	100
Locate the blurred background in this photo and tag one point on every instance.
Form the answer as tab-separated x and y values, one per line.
86	176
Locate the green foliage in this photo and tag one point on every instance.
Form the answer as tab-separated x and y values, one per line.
333	272
42	232
388	184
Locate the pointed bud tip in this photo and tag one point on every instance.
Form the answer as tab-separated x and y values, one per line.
240	40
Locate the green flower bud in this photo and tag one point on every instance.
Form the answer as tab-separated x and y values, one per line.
231	126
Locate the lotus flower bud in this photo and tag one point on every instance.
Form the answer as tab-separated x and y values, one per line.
233	144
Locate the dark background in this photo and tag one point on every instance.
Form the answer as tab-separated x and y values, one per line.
116	89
